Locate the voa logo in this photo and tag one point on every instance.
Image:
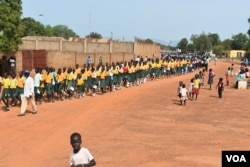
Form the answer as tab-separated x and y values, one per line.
236	158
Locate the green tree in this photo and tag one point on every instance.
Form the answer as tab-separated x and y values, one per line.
49	31
11	30
227	43
239	41
149	41
202	43
214	39
249	27
183	45
94	35
63	31
191	48
33	27
218	50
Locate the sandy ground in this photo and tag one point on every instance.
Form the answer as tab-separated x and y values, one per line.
142	126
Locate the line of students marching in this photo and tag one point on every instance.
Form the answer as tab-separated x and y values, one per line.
66	83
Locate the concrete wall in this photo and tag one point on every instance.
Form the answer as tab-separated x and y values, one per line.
91	47
97	48
61	53
69	59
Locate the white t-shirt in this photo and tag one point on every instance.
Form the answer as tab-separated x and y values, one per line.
82	157
37	79
191	87
12	62
183	92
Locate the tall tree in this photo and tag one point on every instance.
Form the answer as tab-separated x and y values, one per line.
218	50
227	43
201	43
239	41
64	31
94	35
49	31
183	45
190	48
249	27
10	28
214	39
33	27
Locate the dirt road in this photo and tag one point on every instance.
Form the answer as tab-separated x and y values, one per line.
142	126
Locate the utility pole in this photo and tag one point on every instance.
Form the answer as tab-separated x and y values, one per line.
111	35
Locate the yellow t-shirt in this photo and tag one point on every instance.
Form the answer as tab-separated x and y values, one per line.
70	76
60	78
84	76
48	78
42	80
78	71
20	82
79	82
6	83
158	65
115	71
13	83
196	83
102	76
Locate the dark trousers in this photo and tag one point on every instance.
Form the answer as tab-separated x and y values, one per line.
220	92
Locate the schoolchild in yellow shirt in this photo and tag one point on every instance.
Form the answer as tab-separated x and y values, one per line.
196	87
102	80
20	86
64	72
145	72
13	88
79	86
78	69
152	70
115	75
60	80
130	75
136	73
108	80
88	81
94	82
6	91
69	80
141	72
48	82
120	75
75	73
168	64
157	69
98	73
84	78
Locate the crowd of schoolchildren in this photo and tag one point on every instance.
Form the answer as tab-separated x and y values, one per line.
67	83
198	80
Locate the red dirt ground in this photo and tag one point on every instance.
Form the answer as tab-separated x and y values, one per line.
140	126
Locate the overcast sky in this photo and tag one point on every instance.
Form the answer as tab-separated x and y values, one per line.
167	20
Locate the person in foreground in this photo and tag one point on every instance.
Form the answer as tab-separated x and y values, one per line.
80	156
28	94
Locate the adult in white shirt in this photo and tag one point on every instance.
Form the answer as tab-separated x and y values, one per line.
28	94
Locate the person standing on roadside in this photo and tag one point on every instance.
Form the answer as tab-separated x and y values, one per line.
89	61
210	81
220	87
28	94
